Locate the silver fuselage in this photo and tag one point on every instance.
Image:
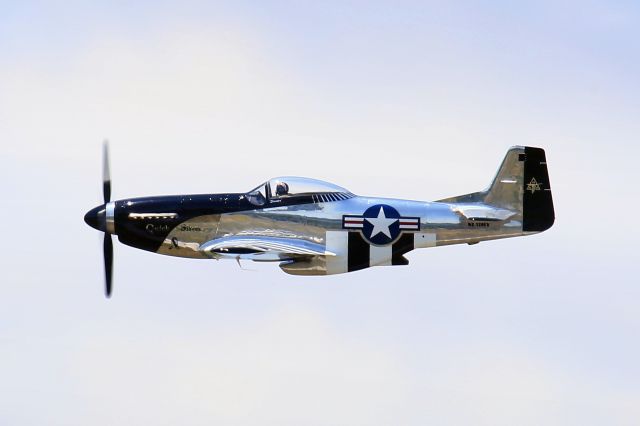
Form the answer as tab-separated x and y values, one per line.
316	228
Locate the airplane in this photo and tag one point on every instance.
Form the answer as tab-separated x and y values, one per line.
312	227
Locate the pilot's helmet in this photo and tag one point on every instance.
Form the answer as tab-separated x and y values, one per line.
282	188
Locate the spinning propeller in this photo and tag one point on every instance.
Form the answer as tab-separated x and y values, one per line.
101	218
108	244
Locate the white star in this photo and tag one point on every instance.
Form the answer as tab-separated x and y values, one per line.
380	224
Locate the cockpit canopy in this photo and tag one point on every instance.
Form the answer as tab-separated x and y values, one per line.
299	188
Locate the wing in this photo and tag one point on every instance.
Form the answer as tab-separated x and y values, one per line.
263	248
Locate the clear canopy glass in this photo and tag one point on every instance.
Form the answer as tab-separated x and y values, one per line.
291	186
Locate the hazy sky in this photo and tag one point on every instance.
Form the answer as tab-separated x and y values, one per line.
413	100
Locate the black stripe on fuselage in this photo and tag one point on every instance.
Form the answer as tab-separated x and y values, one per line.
403	245
358	252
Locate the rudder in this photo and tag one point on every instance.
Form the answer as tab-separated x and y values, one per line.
537	202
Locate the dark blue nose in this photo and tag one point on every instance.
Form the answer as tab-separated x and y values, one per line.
97	218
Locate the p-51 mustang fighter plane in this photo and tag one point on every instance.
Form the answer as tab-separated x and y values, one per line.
313	227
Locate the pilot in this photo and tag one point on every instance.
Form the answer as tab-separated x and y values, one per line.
282	189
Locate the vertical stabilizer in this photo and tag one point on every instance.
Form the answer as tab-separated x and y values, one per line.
505	191
522	186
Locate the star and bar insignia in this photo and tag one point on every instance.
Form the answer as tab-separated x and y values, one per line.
381	224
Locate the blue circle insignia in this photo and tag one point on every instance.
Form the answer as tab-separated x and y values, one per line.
381	224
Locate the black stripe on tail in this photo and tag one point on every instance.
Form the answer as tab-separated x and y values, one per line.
537	203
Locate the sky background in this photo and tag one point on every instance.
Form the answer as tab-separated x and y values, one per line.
415	100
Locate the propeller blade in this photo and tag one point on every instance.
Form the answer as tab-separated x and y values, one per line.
108	263
106	173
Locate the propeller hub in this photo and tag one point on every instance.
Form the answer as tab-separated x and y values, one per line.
96	218
102	218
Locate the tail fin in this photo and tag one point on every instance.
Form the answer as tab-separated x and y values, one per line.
537	203
521	185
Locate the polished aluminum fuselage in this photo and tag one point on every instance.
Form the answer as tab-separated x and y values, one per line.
317	228
449	223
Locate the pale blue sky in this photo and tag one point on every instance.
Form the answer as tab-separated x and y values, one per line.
204	97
